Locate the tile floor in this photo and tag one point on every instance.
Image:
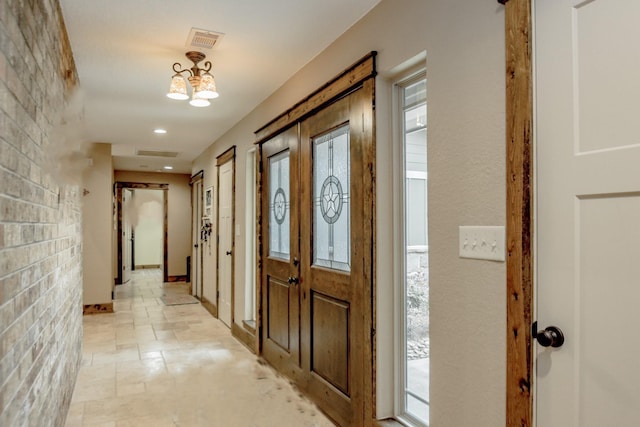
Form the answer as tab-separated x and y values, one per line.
149	364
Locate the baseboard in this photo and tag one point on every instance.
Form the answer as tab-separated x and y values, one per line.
177	278
97	308
150	266
249	325
244	336
211	308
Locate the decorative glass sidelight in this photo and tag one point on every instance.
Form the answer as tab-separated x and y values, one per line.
279	206
331	186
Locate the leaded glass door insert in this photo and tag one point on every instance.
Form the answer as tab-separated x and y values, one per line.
279	206
331	184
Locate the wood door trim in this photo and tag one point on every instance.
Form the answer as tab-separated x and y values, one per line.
519	152
196	177
350	78
118	186
223	158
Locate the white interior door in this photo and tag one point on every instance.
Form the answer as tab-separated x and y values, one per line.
588	211
225	245
127	238
196	254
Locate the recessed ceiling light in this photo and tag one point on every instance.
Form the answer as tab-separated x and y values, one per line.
160	131
168	167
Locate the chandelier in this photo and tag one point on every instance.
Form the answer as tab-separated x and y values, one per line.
202	83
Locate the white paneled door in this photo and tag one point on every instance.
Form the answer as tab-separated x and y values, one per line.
588	211
225	245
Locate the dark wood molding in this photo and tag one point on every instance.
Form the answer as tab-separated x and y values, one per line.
97	308
196	177
173	279
259	243
118	186
141	185
226	156
519	152
343	83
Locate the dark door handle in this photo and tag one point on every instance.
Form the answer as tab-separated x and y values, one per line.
228	252
293	280
551	336
195	246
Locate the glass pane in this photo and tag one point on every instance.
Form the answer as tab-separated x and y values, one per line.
417	408
331	186
416	212
279	207
415	118
416	256
415	93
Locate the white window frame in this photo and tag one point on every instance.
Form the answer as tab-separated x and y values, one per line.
399	178
250	238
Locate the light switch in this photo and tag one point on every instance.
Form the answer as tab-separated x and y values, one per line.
482	242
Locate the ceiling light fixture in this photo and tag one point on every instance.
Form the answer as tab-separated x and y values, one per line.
160	131
168	167
202	83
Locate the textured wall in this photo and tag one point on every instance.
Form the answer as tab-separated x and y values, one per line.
461	44
97	226
40	219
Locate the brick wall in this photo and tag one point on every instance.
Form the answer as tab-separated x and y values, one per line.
40	220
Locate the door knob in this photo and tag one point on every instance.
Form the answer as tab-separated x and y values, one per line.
293	280
228	252
551	336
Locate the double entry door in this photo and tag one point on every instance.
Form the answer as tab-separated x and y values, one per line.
316	254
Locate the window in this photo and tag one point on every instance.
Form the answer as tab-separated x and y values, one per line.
412	395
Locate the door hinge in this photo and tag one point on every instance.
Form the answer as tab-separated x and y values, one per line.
503	1
534	329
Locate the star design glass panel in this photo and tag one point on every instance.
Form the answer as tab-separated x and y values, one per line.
279	207
331	197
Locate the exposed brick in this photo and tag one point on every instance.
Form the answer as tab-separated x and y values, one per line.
40	222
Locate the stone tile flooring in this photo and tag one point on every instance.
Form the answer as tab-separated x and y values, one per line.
149	364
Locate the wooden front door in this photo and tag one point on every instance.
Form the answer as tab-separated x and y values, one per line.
317	233
280	279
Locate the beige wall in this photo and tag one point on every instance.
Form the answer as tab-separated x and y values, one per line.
463	43
179	195
97	213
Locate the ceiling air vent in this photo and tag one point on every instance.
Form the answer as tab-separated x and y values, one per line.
153	153
203	39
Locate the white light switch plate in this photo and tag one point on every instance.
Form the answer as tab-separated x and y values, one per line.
482	242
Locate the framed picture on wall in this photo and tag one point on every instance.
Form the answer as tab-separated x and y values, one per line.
208	202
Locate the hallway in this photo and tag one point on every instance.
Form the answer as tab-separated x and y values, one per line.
149	364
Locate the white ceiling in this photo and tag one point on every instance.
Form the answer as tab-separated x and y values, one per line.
124	52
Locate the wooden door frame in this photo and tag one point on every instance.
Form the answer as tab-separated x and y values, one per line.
117	188
228	156
519	206
359	75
